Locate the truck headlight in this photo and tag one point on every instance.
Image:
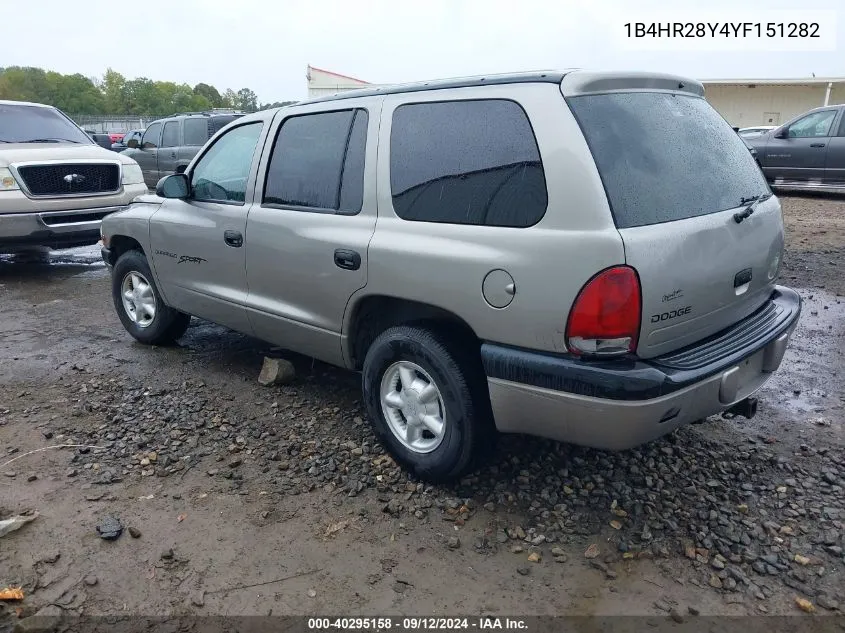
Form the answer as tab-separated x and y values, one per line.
132	174
7	180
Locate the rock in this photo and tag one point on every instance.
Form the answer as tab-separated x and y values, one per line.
592	551
71	472
715	581
51	557
31	477
394	507
453	543
45	619
693	611
134	532
490	507
534	557
717	564
523	571
198	598
517	549
558	551
662	605
90	580
109	528
276	371
676	615
11	474
827	603
312	593
400	586
167	554
804	604
235	462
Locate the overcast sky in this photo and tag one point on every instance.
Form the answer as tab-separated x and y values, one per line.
265	44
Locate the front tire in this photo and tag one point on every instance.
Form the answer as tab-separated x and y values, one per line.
427	399
139	305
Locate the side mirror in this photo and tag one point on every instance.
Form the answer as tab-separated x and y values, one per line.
736	129
133	143
781	132
174	186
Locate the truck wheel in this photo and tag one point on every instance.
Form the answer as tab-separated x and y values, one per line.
427	400
140	306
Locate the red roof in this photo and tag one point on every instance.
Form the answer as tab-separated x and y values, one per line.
328	72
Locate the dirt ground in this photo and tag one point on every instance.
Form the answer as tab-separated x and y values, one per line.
252	501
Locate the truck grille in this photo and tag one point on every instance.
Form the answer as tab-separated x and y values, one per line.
71	179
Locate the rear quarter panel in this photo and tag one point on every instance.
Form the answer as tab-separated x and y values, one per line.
446	264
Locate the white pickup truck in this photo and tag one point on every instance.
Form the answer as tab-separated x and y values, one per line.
56	184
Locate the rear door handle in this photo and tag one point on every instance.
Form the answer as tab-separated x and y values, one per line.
816	144
233	238
348	260
172	154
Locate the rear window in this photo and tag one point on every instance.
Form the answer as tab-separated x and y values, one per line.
665	157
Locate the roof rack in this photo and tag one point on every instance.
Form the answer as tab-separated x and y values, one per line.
211	112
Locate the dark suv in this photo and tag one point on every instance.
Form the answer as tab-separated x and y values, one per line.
168	145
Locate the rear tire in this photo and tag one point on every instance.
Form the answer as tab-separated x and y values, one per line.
139	304
417	382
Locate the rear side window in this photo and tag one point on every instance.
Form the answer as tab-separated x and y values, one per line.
195	131
466	162
664	157
170	136
318	162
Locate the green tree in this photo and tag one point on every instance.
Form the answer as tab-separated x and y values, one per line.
114	94
246	100
210	93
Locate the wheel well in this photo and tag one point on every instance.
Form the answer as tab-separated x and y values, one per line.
375	314
119	244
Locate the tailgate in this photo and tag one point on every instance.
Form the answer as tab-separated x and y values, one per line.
701	275
675	174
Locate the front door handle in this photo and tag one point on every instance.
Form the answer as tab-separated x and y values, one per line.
233	238
348	260
172	154
816	144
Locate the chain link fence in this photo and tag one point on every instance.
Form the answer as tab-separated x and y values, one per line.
114	123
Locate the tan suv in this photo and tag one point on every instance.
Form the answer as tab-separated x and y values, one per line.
590	257
56	184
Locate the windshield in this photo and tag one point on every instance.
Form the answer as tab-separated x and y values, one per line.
24	123
664	157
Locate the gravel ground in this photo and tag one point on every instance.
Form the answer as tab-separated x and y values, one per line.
236	499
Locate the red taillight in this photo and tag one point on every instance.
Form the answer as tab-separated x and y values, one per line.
605	318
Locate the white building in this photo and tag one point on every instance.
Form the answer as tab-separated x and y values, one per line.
750	102
322	83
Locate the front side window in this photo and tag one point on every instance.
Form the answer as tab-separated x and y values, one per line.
170	136
318	162
151	136
222	173
812	125
466	162
195	132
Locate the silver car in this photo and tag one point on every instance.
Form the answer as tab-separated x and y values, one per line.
590	257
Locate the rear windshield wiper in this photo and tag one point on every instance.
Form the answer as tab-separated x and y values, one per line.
49	140
752	202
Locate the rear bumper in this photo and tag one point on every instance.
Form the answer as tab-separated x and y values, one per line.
56	229
621	403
